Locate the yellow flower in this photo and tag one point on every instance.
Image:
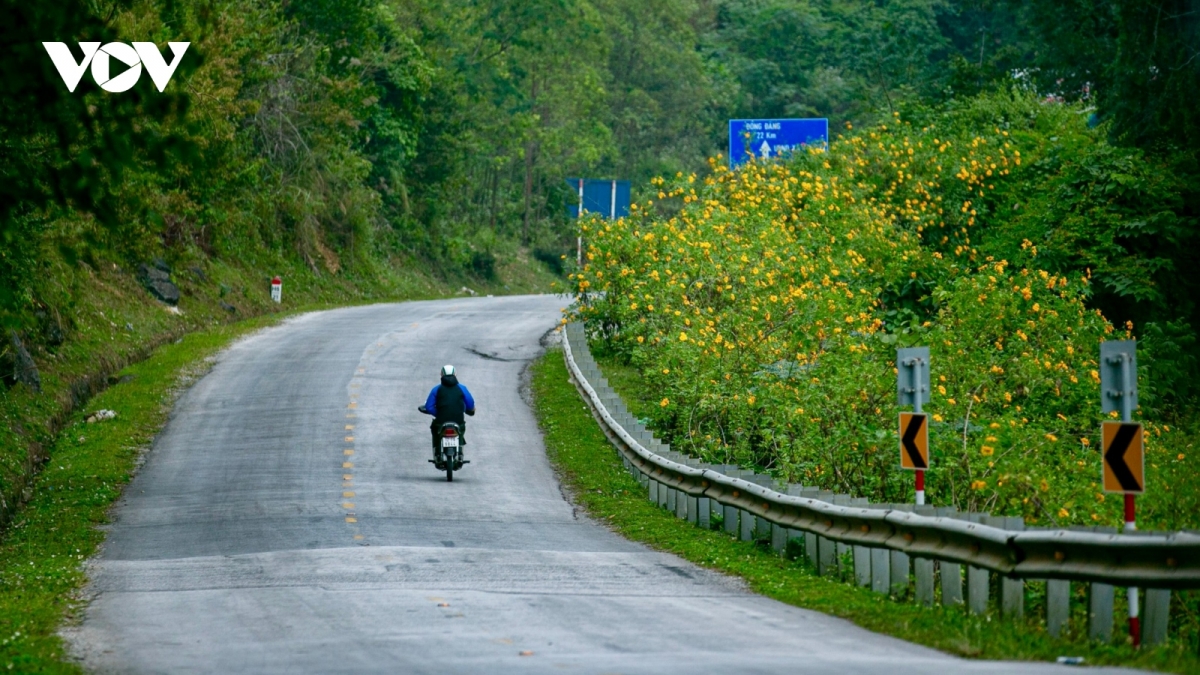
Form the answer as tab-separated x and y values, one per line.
941	390
1044	486
1179	457
937	418
641	339
1063	513
987	451
750	400
1085	441
683	337
978	484
1052	438
666	371
665	402
951	401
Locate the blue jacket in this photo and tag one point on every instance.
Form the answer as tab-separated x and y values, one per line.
431	401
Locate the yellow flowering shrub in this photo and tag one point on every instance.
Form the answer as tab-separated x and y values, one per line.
766	312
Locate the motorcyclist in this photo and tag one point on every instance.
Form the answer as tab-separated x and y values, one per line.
448	402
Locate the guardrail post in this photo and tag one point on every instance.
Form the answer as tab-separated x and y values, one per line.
653	490
703	512
1157	611
881	566
950	573
693	510
977	577
779	538
842	549
1012	591
826	555
1100	612
900	561
821	545
881	570
923	567
731	519
1058	605
672	497
862	554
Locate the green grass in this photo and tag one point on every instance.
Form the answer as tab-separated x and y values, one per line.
590	470
43	552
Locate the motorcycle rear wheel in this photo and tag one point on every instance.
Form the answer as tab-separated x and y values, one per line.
449	473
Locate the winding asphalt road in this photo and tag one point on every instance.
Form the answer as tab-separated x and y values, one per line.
286	521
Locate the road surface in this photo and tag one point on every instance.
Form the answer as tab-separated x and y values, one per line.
287	521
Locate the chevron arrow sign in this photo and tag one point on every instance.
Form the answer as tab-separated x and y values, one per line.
914	441
1124	469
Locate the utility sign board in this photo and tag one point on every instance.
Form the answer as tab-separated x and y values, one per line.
1124	457
914	441
769	139
608	198
1118	376
912	376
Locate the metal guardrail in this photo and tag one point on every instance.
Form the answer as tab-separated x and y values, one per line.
1147	560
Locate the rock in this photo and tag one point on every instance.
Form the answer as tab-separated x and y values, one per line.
158	282
100	416
198	273
161	264
228	307
24	369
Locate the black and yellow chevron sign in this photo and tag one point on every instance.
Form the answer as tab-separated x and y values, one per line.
914	441
1124	458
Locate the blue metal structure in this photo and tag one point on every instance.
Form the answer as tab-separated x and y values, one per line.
609	198
768	139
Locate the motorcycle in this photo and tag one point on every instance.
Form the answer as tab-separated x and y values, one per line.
450	458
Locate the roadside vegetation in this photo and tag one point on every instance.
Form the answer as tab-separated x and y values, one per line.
765	315
589	467
44	548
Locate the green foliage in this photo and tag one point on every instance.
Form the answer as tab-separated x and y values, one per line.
765	314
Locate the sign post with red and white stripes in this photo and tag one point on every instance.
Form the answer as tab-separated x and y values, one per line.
1121	443
277	289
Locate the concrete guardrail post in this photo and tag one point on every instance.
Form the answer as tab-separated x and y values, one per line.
1157	611
900	562
977	577
923	567
1100	604
1100	612
950	574
1012	591
1058	605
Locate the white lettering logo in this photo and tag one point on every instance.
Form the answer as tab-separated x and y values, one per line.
100	58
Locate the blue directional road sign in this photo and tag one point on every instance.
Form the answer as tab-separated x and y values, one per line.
609	198
768	139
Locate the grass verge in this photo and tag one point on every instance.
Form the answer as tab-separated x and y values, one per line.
43	552
589	468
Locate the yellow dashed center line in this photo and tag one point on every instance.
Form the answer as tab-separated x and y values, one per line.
352	405
347	505
349	427
347	495
351	520
349	439
347	465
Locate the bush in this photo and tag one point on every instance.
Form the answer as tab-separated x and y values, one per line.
765	316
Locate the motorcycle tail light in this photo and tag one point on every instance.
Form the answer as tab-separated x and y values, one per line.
449	432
